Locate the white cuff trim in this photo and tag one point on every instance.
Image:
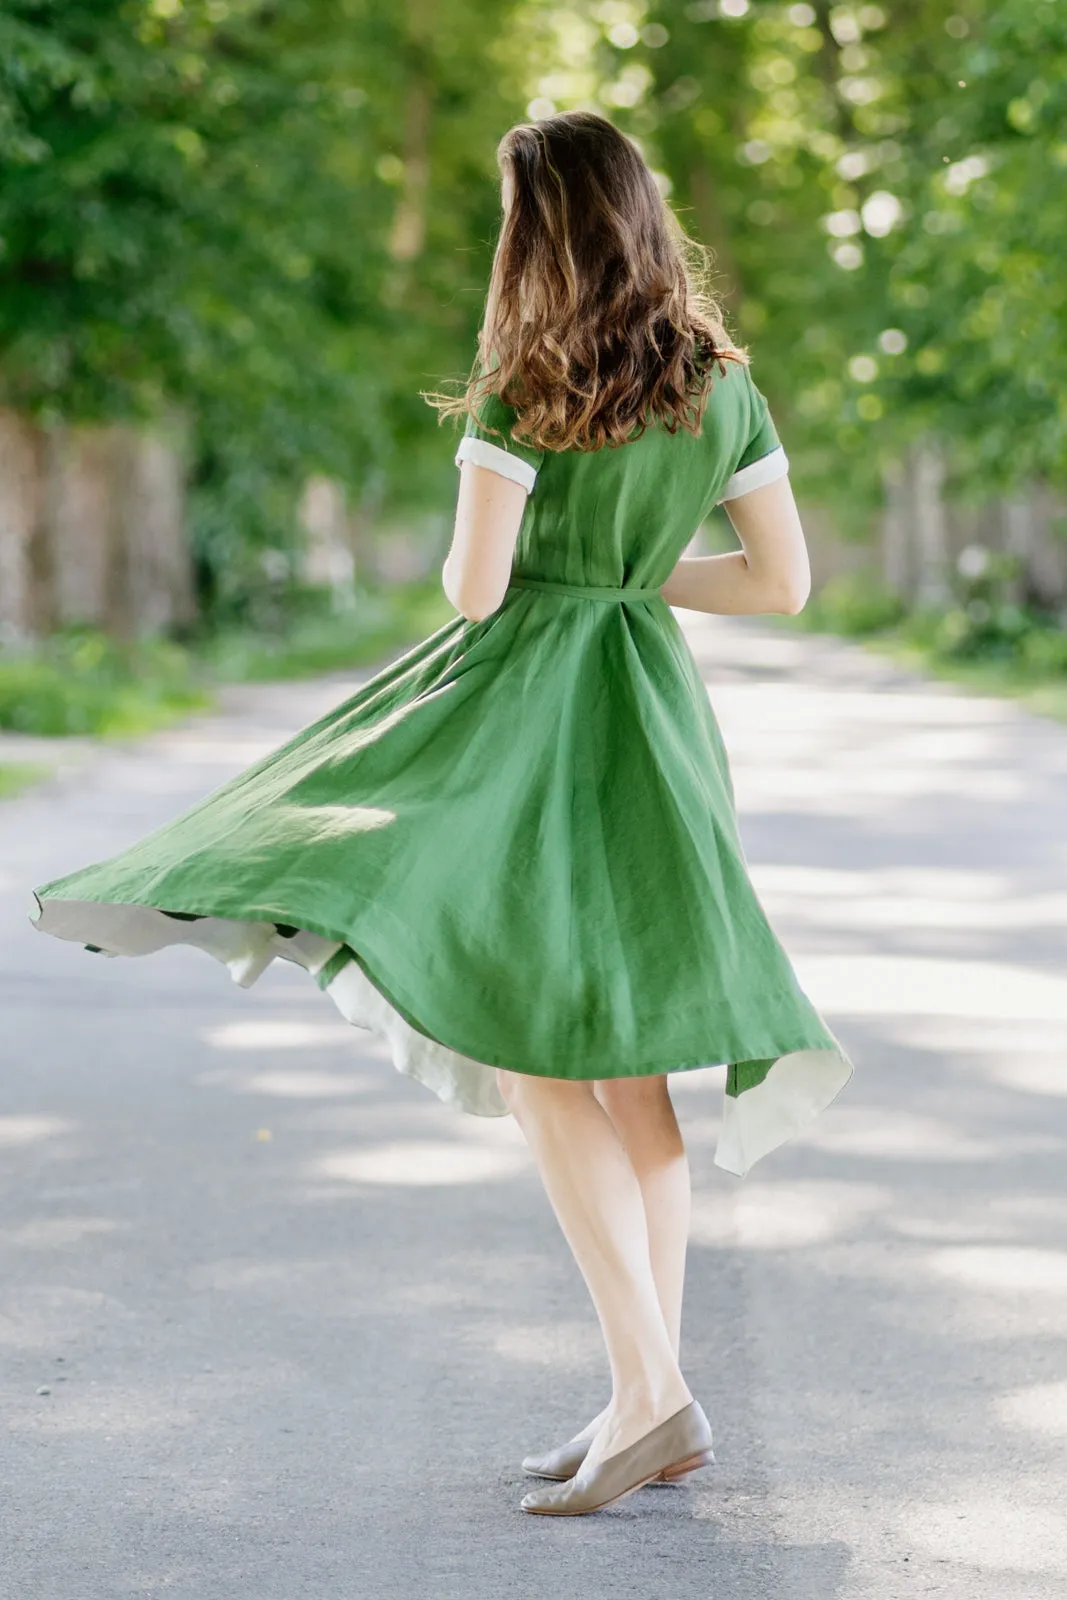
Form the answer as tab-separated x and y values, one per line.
768	469
484	454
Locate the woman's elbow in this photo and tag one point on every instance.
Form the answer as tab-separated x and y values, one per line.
469	599
475	612
794	598
792	589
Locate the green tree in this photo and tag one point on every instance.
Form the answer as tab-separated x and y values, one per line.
273	219
877	182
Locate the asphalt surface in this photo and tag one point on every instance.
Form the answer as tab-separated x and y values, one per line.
276	1324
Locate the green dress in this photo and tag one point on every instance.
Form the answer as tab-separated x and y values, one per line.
516	846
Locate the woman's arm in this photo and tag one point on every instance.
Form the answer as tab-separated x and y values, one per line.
478	566
769	573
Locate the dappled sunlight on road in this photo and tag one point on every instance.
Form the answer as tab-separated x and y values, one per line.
851	743
420	1164
892	1134
123	1409
291	1085
1004	1271
58	1233
785	1216
902	898
888	986
901	1266
54	1316
238	1241
833	768
278	1033
30	1129
123	1406
969	1039
554	1346
1039	1409
1031	1076
988	1532
977	1216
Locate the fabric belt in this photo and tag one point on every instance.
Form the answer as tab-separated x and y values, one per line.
584	592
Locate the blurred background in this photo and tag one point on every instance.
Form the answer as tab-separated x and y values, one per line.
237	238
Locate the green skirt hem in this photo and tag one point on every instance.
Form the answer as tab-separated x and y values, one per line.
407	1007
780	1094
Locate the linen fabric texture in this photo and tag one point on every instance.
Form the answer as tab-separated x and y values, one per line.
516	845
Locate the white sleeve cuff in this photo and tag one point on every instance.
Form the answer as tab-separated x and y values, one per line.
484	454
768	469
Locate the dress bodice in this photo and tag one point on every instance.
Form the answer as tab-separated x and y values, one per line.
622	515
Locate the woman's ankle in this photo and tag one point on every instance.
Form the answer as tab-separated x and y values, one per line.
652	1400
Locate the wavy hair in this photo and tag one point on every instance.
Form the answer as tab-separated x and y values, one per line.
598	320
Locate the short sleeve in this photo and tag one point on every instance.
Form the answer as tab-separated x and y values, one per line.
762	460
497	450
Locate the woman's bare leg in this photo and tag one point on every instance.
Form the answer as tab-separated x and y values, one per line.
594	1192
643	1114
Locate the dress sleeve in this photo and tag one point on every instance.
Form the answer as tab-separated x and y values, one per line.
763	460
498	451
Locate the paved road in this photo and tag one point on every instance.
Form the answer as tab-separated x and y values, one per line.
295	1322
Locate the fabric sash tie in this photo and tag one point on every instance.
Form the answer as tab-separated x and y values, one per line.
584	591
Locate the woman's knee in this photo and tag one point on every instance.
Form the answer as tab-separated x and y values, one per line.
637	1097
526	1091
640	1108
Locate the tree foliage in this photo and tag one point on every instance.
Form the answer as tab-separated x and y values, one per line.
879	182
277	221
217	206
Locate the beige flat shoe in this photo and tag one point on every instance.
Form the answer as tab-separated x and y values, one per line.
563	1462
676	1447
559	1464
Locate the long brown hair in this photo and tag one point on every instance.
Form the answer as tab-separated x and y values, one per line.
597	318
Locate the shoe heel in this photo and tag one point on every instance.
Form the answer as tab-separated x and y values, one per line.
681	1469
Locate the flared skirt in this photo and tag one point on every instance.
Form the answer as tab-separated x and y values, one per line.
515	847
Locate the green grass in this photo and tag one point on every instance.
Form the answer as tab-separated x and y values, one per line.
1045	694
81	682
18	775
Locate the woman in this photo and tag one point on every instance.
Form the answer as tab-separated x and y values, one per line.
514	852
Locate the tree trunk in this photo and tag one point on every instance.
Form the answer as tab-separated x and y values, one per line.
408	233
896	530
328	556
82	532
24	597
931	533
92	528
1026	519
1020	534
156	588
363	525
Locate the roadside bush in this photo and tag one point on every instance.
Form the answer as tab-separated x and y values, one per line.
854	604
988	624
83	682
